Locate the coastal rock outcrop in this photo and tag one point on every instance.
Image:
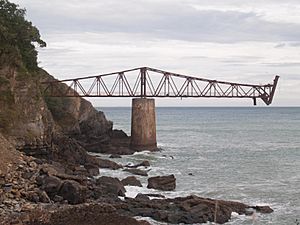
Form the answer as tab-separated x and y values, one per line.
164	183
187	210
132	181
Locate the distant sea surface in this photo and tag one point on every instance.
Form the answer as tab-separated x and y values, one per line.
251	155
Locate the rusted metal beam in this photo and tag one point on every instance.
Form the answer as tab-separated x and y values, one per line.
126	83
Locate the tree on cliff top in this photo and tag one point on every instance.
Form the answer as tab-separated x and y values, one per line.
18	37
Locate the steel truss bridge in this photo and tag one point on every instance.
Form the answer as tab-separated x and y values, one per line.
149	82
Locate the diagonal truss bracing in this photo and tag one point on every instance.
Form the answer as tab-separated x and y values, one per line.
148	82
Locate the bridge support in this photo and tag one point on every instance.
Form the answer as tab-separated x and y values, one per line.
143	124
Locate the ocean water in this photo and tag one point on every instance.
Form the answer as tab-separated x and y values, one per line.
251	155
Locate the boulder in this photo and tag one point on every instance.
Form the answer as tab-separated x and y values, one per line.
164	183
111	186
142	197
136	171
131	181
263	209
155	195
92	169
115	156
50	184
73	192
145	163
105	163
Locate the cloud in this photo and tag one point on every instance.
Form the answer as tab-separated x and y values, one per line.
159	19
233	40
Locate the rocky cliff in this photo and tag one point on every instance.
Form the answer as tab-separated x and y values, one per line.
26	116
56	129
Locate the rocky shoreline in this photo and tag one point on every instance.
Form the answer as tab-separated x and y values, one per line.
47	175
40	191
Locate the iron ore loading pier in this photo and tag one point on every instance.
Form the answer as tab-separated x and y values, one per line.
144	84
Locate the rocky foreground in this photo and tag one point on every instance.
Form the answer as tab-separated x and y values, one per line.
40	191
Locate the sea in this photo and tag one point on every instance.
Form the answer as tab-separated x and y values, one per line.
245	154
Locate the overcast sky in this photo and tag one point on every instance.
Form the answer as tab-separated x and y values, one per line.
233	40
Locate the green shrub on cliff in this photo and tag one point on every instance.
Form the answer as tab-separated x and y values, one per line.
18	37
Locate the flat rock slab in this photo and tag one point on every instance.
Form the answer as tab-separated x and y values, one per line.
164	183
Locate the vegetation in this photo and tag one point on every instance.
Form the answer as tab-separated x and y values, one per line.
18	37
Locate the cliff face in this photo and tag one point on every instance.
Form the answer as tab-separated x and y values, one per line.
28	117
24	116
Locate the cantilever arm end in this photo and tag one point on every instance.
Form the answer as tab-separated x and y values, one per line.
273	89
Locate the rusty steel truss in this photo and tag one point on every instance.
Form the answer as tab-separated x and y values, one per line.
148	82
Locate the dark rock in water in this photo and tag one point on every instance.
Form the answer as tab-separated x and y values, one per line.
165	183
51	185
118	134
132	181
156	195
115	156
110	185
263	209
142	197
73	192
188	210
105	163
136	171
145	163
190	174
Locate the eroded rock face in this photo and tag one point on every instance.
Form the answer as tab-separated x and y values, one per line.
164	183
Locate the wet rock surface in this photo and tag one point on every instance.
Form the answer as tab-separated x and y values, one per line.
132	181
145	163
164	183
187	210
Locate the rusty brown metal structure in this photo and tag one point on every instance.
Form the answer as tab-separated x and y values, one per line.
149	82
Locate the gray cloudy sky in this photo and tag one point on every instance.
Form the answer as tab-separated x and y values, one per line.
234	40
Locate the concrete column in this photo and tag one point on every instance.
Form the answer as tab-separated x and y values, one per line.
143	125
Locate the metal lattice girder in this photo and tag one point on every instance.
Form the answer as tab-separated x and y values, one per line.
149	82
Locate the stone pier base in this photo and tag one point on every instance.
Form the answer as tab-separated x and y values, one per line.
143	125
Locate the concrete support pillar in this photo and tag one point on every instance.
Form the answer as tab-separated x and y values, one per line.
143	124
